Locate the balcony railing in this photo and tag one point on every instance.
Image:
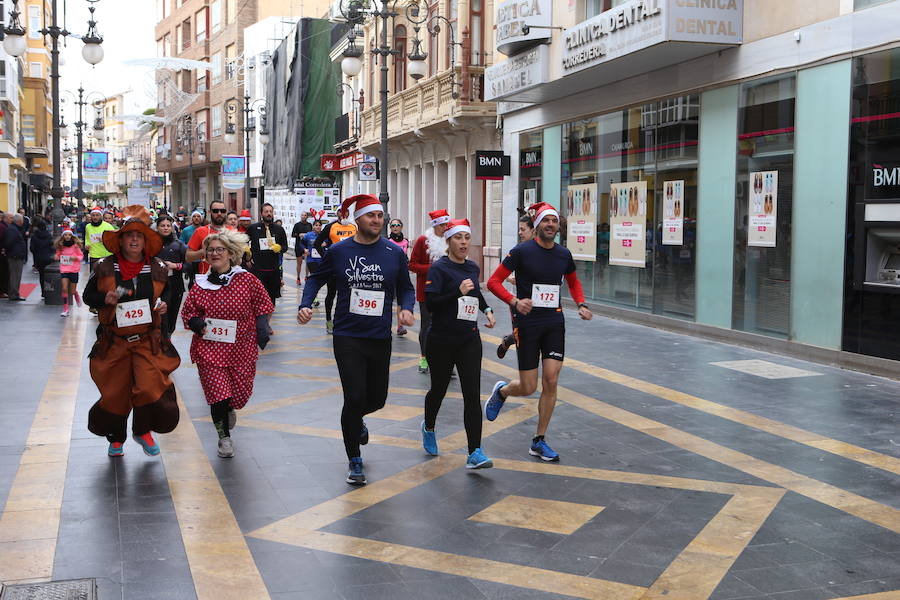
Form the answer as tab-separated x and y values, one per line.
429	102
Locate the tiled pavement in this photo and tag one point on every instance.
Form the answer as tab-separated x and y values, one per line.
679	478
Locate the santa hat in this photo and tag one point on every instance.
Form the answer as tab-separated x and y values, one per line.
541	210
439	217
197	212
245	215
365	203
457	226
97	210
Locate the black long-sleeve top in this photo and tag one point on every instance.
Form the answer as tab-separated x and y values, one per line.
442	298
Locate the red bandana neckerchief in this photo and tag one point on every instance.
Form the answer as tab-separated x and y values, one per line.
128	269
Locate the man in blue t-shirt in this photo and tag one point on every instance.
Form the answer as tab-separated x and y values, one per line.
540	264
306	244
369	272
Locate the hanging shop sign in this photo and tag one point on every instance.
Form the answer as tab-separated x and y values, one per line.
763	210
491	165
234	172
368	171
95	166
340	162
581	219
673	213
628	224
513	15
640	24
518	73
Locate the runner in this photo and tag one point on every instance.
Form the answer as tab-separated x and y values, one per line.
217	213
188	231
333	233
369	272
267	243
526	232
227	310
314	259
69	254
428	248
539	265
174	255
301	228
131	360
94	237
454	299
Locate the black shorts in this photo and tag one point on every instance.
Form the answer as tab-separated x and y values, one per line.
73	277
540	342
271	280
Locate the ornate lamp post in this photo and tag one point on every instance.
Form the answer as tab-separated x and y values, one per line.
259	105
15	45
417	67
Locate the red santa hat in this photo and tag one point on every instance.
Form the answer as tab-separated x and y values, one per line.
439	217
541	210
365	203
245	215
97	210
457	226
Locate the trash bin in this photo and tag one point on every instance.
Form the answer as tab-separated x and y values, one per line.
52	284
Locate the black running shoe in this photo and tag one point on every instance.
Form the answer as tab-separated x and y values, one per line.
508	340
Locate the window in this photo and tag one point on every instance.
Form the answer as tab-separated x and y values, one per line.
476	10
36	69
34	22
161	12
216	68
433	41
29	130
160	47
215	16
201	81
167	45
186	38
400	59
178	38
202	125
230	11
200	21
217	121
3	80
230	65
371	59
861	4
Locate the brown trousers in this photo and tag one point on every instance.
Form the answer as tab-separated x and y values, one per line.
133	376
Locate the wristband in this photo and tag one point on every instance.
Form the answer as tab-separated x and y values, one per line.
488	310
582	305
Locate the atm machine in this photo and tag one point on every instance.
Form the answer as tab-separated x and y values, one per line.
877	251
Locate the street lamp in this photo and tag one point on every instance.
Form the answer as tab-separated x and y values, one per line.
417	67
14	43
80	126
259	105
186	134
354	105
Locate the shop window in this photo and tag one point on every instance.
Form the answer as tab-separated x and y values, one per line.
763	207
861	4
629	200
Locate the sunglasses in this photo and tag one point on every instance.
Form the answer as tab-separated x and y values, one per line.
218	210
396	225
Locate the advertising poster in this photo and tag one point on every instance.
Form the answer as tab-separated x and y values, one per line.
673	213
233	172
319	202
763	210
628	224
530	197
95	166
581	211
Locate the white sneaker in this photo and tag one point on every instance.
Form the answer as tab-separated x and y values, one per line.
64	313
226	448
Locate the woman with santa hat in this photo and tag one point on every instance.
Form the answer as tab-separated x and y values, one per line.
454	299
429	247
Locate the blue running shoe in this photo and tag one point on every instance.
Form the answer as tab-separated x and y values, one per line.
495	402
429	441
151	448
543	451
364	435
477	460
356	476
116	449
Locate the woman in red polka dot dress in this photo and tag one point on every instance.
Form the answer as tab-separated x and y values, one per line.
226	309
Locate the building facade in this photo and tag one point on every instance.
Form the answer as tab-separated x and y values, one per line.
36	114
730	164
13	172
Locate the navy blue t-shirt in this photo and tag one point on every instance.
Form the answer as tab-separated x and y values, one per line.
533	264
359	269
442	298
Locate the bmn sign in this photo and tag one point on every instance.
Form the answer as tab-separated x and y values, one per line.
491	164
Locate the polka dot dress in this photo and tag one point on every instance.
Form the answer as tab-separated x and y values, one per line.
227	370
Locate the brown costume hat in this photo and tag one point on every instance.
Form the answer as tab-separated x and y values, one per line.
136	219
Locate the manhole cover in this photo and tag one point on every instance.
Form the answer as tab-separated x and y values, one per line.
73	589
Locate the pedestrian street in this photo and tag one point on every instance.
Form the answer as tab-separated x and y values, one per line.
689	469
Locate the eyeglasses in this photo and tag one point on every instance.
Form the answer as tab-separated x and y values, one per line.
217	250
218	210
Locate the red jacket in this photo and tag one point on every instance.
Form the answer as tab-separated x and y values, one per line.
419	263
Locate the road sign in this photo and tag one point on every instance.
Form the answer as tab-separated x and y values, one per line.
368	171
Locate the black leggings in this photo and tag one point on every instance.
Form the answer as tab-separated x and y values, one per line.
219	413
171	319
329	298
364	367
466	356
425	327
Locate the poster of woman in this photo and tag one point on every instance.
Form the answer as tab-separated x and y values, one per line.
628	224
673	213
581	233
